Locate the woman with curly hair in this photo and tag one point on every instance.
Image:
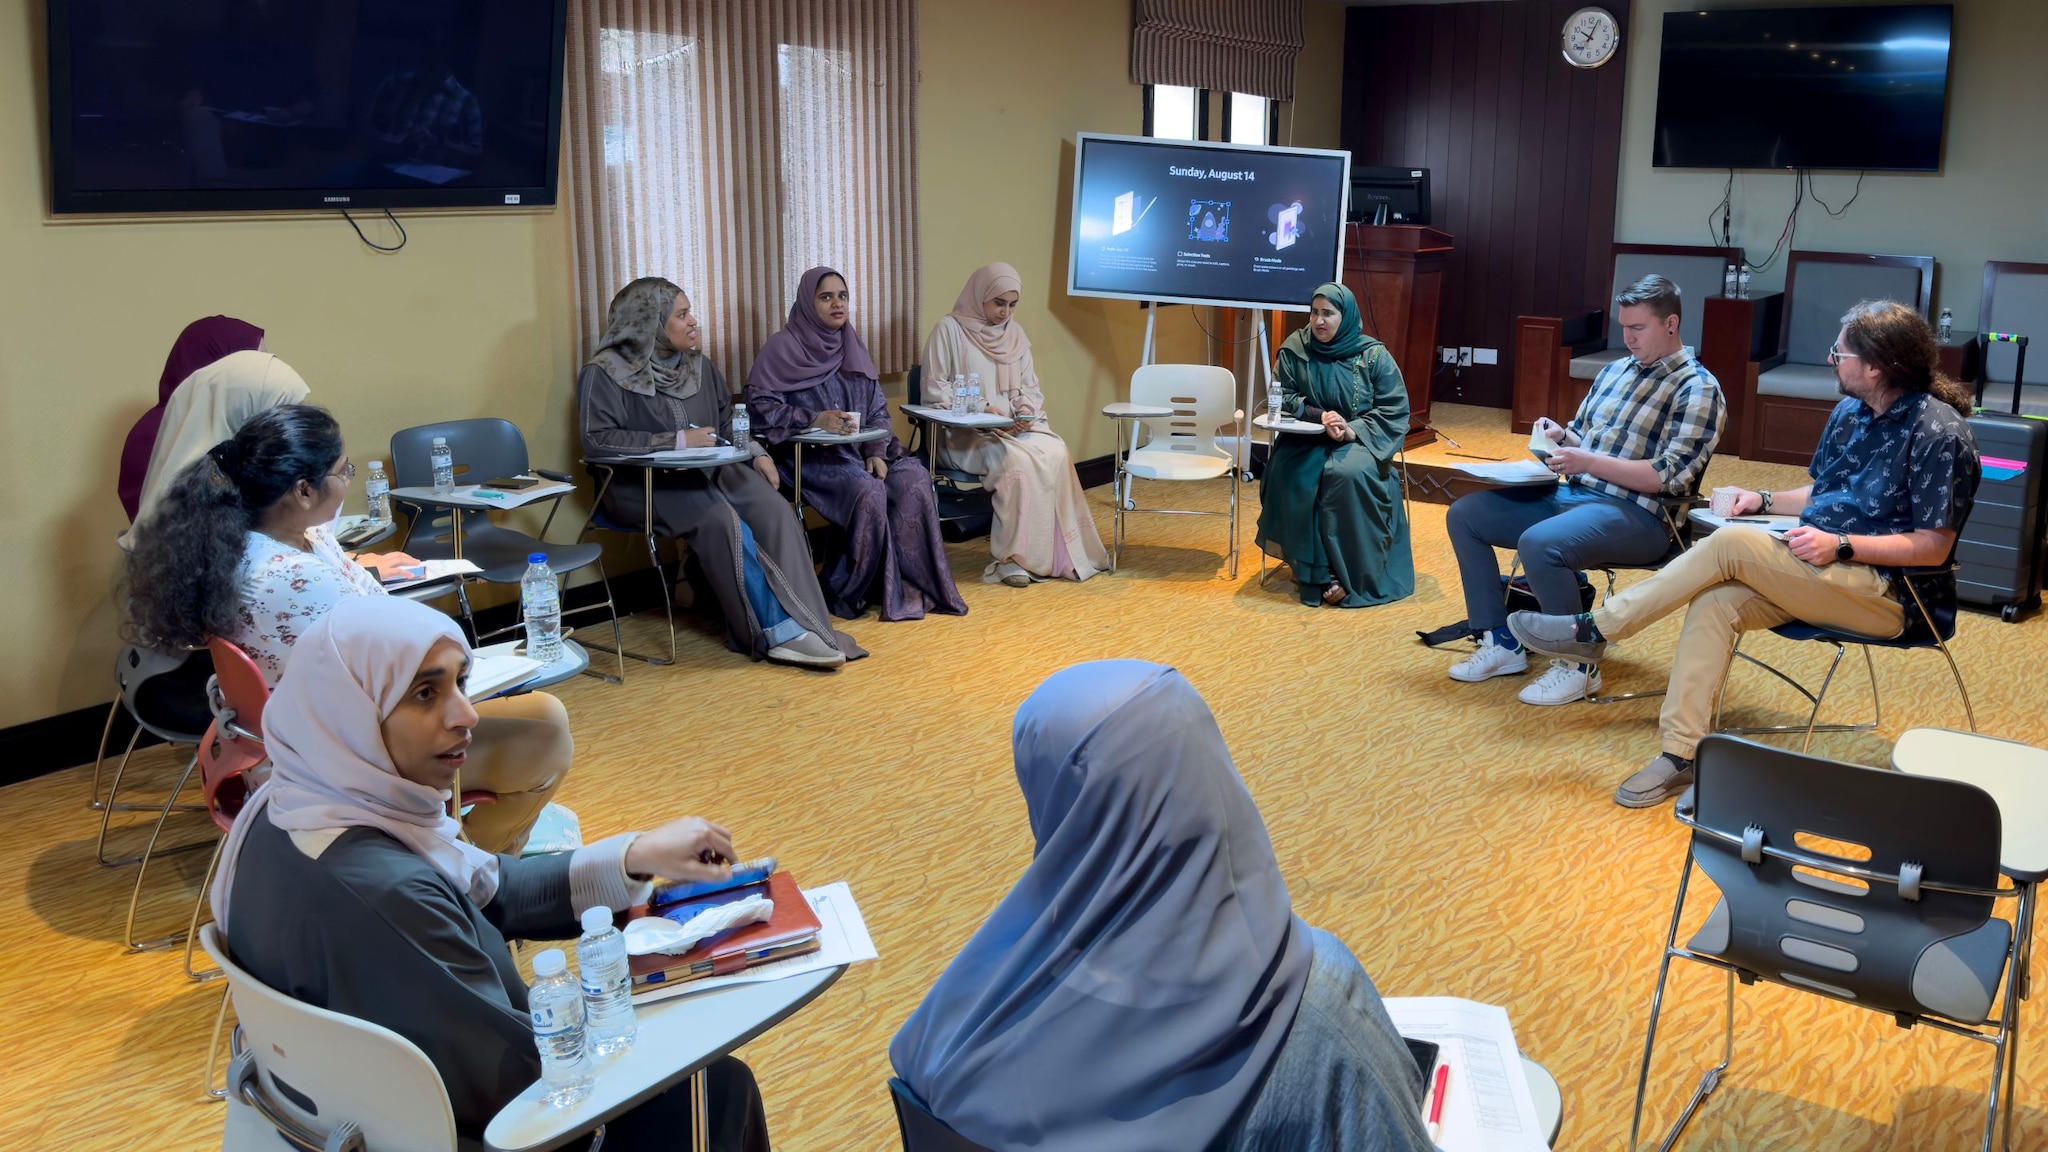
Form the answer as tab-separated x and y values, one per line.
239	546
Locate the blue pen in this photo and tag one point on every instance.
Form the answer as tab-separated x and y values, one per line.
750	872
483	495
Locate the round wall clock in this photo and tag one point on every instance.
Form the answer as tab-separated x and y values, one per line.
1590	38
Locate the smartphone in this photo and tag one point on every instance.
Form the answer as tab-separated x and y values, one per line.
1424	1053
513	483
358	534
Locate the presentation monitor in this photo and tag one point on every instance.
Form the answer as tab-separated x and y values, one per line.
1191	222
240	104
1403	190
1851	88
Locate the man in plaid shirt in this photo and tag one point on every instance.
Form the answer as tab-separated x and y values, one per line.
1646	430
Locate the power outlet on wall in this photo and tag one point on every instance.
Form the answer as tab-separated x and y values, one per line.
1464	357
1447	355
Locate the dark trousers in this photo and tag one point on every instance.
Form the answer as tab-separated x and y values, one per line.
1558	530
739	1121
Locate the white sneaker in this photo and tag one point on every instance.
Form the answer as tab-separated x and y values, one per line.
1563	684
1491	660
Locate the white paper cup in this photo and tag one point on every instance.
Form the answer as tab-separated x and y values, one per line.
1539	444
1721	502
853	423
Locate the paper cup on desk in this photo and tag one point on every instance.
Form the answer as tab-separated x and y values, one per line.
1721	502
853	423
1540	446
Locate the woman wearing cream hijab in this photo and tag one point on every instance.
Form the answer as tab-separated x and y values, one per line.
209	407
1043	528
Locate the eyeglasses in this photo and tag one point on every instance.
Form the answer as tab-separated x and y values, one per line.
1836	355
347	473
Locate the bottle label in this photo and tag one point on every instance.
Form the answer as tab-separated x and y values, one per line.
604	987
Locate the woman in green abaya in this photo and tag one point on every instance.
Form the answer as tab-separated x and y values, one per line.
1332	500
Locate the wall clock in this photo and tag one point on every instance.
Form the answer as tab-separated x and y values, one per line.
1590	38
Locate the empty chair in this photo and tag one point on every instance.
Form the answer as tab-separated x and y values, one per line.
1180	446
1865	886
485	448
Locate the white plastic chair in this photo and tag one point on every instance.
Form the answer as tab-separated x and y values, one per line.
354	1073
1181	446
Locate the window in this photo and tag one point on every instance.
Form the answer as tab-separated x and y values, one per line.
1248	119
1176	113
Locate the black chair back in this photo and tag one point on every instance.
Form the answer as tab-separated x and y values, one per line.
922	1131
484	449
1820	929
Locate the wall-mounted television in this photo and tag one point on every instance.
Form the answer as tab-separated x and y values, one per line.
237	105
1185	222
1857	87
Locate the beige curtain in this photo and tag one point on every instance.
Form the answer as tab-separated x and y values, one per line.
1244	46
730	145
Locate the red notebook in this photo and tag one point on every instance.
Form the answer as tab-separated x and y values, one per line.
792	930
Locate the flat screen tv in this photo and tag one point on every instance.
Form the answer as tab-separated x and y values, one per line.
1187	222
259	104
1861	88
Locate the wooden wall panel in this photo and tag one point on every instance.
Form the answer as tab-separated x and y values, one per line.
1523	149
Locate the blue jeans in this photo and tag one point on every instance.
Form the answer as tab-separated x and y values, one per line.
1558	531
776	625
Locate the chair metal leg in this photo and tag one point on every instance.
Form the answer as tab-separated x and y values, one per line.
1234	486
192	927
142	873
220	1015
106	734
700	1112
1711	1079
107	810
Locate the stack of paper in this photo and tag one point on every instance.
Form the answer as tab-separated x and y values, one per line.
1487	1106
1510	472
491	672
679	455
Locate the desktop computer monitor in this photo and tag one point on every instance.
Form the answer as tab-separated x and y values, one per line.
1402	192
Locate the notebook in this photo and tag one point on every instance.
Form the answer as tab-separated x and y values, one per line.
791	931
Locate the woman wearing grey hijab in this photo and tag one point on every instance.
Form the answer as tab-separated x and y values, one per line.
1146	986
648	388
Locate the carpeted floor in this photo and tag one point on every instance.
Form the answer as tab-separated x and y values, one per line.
1460	842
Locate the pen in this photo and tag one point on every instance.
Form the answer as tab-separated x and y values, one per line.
1744	520
480	494
1436	1103
1470	456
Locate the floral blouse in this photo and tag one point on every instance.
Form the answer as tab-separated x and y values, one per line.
284	590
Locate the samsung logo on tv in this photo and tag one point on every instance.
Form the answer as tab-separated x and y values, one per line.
334	199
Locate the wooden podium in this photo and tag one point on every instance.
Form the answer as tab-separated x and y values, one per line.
1397	273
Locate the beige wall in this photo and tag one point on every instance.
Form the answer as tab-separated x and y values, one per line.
1985	204
1005	88
474	316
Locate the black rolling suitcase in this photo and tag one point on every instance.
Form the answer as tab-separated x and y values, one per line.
2001	551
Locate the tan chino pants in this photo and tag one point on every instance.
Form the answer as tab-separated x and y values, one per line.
1740	580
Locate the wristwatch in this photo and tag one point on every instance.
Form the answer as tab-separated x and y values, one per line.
1843	549
1766	505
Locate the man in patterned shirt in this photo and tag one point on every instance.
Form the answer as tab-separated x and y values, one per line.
1646	430
1893	481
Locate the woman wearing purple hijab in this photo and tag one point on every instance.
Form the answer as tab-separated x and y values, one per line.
816	373
1146	986
203	342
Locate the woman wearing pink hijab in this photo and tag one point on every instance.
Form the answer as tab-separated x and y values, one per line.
816	373
1043	528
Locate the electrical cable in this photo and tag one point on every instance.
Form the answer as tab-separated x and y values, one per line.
1725	207
1196	313
1791	220
402	237
1838	213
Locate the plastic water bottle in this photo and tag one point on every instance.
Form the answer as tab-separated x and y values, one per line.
742	426
607	984
377	492
974	401
556	1005
1272	402
1946	333
959	394
540	601
1742	282
444	466
1729	284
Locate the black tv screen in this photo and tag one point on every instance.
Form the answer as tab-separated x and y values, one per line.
1856	88
236	105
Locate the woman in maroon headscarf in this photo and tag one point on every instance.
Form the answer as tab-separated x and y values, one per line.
816	373
201	343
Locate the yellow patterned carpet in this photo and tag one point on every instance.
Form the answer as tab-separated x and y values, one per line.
1460	842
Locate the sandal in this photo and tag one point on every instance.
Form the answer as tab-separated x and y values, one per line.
1334	594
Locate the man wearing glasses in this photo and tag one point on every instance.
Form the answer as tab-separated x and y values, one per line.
1893	480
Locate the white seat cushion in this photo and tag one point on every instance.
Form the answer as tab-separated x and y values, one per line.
1167	464
1588	366
1801	381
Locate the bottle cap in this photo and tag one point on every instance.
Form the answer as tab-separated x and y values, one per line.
376	464
536	557
440	441
549	963
596	918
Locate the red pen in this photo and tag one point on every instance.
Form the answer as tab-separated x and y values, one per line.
1436	1102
